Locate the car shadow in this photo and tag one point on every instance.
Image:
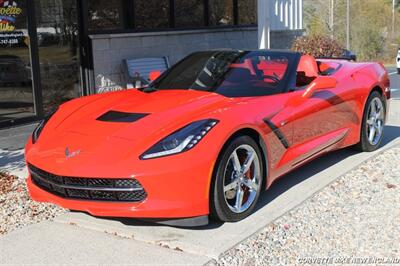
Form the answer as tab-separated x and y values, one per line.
11	160
282	184
156	223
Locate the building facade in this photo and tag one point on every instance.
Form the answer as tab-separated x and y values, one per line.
55	50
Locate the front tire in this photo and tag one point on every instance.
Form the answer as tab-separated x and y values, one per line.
373	123
237	180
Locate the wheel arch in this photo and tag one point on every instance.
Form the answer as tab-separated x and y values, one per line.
256	136
375	87
380	91
244	130
378	88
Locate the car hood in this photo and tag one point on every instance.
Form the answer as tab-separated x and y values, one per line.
154	114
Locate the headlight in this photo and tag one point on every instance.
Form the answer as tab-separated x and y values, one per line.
39	128
182	140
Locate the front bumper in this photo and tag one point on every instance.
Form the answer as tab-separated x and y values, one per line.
150	208
175	192
147	211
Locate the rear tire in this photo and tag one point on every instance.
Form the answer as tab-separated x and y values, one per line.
373	123
237	180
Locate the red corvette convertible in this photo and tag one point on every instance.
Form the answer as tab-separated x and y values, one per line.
206	137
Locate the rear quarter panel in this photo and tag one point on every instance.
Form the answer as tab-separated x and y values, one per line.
370	76
356	81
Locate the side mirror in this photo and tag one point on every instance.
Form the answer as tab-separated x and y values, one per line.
154	75
320	83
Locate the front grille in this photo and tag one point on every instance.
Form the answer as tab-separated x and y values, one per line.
96	189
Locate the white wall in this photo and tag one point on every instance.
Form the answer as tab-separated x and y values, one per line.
286	14
278	15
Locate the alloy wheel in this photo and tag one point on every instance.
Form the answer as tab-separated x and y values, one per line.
375	121
242	178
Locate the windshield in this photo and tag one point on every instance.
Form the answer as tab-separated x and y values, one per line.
230	73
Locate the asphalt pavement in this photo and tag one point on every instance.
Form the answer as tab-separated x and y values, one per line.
394	82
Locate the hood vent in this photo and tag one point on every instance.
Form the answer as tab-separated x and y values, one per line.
116	116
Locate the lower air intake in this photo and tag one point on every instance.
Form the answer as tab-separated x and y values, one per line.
95	189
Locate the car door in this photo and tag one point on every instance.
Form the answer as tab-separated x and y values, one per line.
322	119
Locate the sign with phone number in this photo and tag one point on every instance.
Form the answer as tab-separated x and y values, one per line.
12	38
9	13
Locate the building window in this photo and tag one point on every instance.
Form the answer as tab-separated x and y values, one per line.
57	34
189	13
221	12
16	91
105	14
247	12
151	14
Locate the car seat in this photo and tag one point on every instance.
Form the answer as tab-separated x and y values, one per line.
307	70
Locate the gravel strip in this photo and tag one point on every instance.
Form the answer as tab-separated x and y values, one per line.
17	209
357	216
6	182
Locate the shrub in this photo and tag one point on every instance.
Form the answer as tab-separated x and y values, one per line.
318	46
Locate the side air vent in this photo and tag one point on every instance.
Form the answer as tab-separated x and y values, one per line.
116	116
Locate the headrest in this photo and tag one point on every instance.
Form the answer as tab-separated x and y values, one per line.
308	65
